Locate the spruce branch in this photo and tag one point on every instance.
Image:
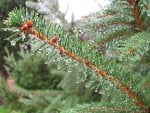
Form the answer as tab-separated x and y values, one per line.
132	52
63	45
88	17
110	38
90	65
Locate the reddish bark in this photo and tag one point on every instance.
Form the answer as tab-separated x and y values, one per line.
133	4
1	101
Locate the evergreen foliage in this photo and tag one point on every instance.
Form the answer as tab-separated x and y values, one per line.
27	75
49	9
5	7
57	92
107	63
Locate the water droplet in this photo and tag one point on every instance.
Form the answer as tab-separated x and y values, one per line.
5	29
53	60
59	66
96	90
15	30
49	49
13	43
58	59
40	49
69	71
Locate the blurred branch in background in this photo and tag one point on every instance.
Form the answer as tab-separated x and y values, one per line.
5	7
49	9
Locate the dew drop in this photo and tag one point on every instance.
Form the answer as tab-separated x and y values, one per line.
13	43
101	92
5	29
16	30
40	49
59	66
69	71
96	90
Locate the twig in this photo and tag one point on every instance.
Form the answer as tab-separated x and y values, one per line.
133	4
91	66
109	39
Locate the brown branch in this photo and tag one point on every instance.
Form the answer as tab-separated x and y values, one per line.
105	109
44	93
12	87
108	24
100	16
133	5
105	15
91	66
109	39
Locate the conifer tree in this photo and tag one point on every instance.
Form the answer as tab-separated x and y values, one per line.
114	60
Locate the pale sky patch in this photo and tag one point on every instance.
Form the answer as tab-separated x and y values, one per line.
81	8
